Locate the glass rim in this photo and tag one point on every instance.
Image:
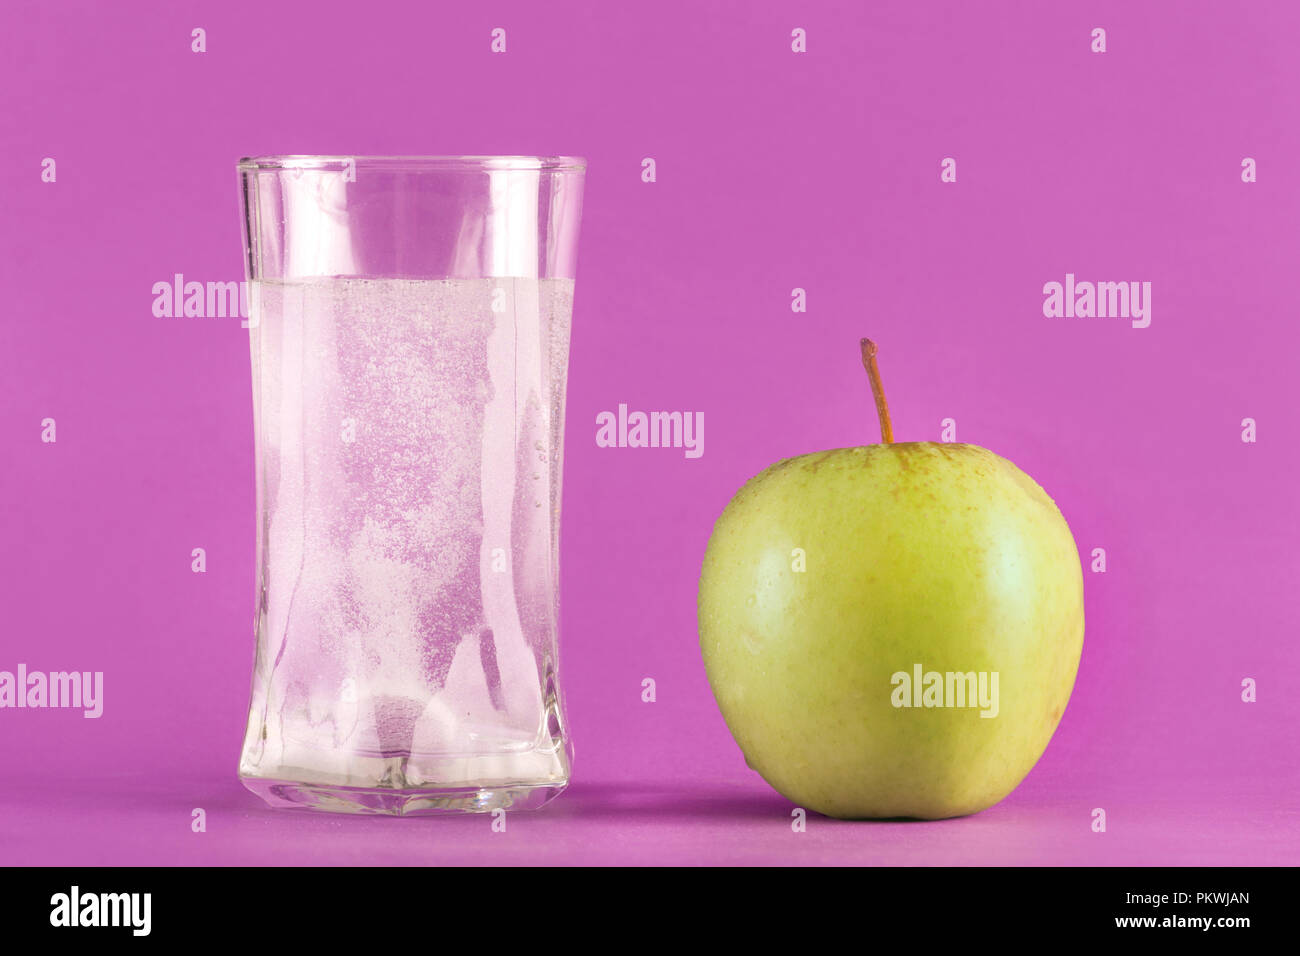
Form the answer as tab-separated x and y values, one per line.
466	163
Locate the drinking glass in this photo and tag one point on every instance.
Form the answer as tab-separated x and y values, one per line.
409	327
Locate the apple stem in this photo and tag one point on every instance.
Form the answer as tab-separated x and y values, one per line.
877	390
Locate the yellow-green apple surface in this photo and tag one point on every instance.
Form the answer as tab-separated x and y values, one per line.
892	630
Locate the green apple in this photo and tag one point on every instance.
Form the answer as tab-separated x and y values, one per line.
892	630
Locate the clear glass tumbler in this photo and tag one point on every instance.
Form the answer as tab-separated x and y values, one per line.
409	325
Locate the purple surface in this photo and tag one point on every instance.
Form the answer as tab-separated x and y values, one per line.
684	819
775	170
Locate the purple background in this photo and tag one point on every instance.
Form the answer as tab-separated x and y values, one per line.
775	170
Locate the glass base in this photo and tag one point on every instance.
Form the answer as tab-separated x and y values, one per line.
402	803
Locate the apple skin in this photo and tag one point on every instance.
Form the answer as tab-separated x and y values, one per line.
944	555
